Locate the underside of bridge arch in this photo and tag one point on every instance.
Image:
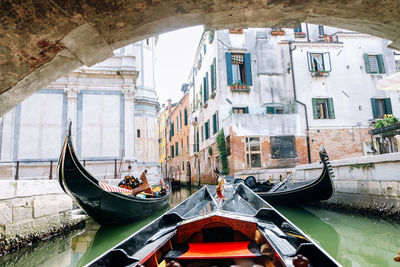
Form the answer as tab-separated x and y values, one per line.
42	40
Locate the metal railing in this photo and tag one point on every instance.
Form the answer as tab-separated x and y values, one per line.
13	168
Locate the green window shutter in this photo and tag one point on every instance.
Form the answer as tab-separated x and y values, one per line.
315	108
331	109
388	106
374	110
206	87
246	110
172	151
212	67
202	134
381	64
177	148
270	110
366	61
215	123
247	66
228	58
204	91
215	74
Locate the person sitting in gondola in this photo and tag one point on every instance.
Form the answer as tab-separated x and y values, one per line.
145	187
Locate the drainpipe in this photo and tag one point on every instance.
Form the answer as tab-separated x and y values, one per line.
301	103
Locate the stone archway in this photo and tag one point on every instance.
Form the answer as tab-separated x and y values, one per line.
41	41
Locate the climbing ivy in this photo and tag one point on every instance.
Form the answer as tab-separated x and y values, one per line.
364	167
222	152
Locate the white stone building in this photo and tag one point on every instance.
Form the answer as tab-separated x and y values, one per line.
113	109
281	93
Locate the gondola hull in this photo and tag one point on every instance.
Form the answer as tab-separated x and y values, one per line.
206	231
318	189
106	208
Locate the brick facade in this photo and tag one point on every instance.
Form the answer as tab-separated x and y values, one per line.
179	166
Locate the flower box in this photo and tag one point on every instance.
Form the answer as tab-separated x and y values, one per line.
236	30
384	129
299	35
319	73
277	31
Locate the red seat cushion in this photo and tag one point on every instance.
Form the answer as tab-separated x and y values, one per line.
243	249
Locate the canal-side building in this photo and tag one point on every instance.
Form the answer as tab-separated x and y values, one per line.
113	109
178	143
162	137
279	94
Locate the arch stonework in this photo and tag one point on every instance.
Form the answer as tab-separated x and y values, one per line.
41	41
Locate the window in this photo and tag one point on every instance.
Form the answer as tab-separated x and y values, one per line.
244	110
215	123
275	110
381	106
147	41
253	152
177	149
207	129
138	133
298	29
183	166
186	116
197	146
213	76
374	64
283	147
319	62
238	68
228	146
182	145
323	108
204	49
171	130
187	143
202	134
321	31
172	151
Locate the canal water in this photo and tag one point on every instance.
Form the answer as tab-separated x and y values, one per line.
351	239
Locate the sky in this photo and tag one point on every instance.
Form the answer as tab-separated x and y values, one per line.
175	53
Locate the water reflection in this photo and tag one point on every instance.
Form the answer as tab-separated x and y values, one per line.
352	240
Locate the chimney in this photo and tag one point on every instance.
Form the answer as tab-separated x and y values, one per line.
169	104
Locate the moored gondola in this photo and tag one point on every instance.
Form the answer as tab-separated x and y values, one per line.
106	204
204	230
286	192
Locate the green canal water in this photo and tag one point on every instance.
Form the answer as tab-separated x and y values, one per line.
351	239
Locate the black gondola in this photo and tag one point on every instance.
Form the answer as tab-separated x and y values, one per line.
203	230
286	192
104	207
